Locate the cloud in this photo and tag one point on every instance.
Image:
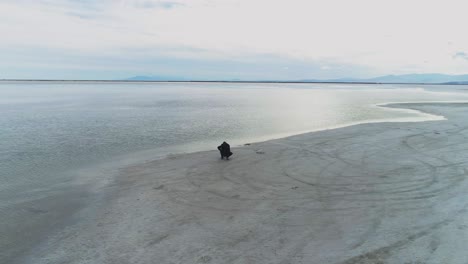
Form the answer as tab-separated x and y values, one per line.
383	37
460	55
158	4
56	63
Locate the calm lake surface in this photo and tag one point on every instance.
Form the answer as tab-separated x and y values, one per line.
48	128
53	133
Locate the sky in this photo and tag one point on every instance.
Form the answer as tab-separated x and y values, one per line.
229	39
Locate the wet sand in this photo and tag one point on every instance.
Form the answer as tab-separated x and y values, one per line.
370	193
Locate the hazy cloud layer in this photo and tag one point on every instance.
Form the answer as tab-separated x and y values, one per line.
318	38
461	55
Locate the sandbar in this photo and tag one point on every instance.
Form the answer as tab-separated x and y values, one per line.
370	193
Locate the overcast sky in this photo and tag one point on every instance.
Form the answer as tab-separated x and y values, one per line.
229	39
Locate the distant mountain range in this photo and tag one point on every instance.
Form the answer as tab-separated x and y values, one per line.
407	78
432	78
156	78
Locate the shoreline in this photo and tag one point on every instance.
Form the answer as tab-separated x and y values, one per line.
386	192
424	117
388	106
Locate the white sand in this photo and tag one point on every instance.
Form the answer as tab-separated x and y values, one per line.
371	193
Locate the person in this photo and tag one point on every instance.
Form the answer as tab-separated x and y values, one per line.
225	150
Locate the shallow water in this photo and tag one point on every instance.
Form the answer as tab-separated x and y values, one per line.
50	128
49	131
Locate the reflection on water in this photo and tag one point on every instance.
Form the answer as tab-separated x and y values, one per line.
47	129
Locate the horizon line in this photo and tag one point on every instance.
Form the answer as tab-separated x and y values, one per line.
223	81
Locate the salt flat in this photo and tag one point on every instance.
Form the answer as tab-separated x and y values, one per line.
370	193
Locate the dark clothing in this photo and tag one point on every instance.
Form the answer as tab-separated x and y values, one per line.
225	150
